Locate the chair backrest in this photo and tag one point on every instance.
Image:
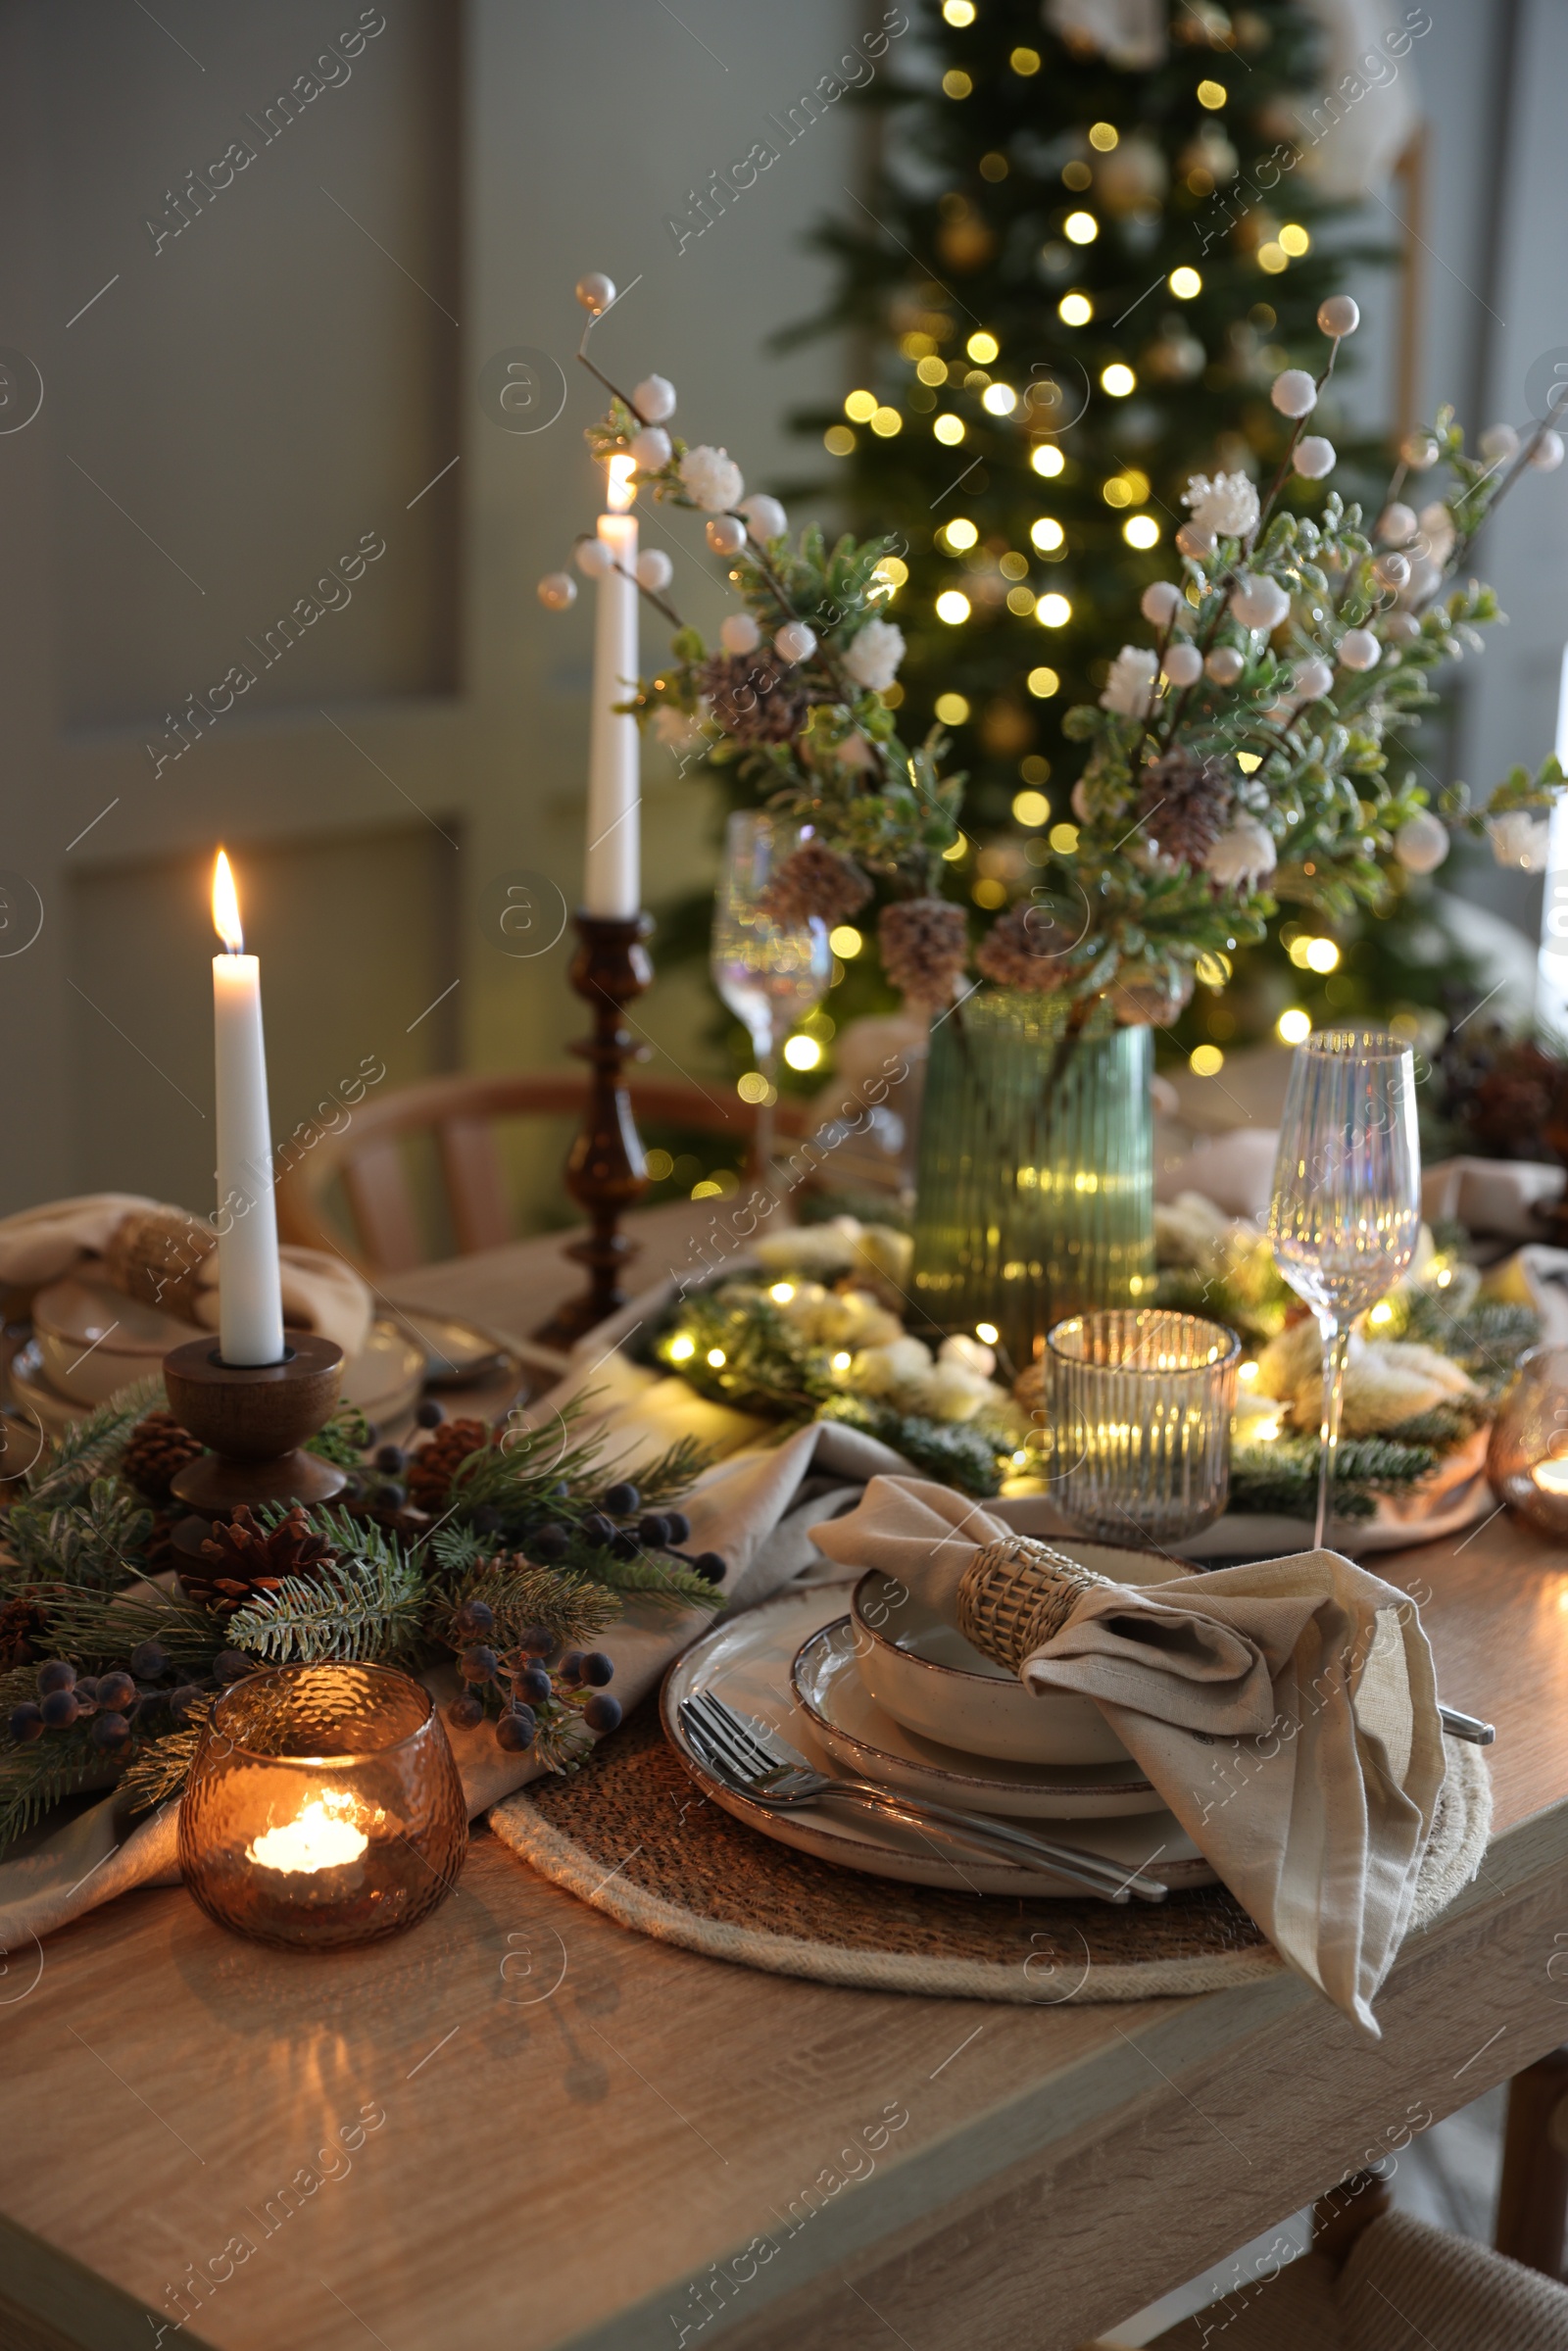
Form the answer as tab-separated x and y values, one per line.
370	1158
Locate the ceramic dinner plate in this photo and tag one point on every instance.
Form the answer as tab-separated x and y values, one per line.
385	1378
746	1661
848	1721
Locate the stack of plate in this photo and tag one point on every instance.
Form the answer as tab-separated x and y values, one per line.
90	1341
869	1682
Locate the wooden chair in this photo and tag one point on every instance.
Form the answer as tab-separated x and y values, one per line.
368	1157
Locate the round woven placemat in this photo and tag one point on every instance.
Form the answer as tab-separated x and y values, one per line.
634	1836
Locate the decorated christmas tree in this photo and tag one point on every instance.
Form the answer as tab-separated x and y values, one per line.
1091	248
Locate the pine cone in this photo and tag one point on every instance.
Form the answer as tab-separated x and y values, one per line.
1141	999
1184	803
755	698
247	1558
434	1468
22	1635
158	1451
1025	947
925	944
814	881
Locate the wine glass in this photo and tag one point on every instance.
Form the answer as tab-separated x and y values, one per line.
771	974
1345	1214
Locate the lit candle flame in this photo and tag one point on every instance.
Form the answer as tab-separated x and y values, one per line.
1552	1476
226	907
621	494
321	1837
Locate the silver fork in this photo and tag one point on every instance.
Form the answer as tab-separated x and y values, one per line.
762	1767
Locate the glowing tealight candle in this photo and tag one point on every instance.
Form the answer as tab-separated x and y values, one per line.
1552	1476
250	1292
321	1837
612	884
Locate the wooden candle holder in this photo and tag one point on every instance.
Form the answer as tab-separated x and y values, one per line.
606	1172
256	1418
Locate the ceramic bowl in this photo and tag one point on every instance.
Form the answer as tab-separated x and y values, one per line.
94	1340
919	1669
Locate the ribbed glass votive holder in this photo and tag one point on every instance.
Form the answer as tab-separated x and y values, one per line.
323	1807
1140	1405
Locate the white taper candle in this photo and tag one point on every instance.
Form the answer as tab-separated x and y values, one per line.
613	880
249	1283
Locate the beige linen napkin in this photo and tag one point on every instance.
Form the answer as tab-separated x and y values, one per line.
1286	1712
321	1293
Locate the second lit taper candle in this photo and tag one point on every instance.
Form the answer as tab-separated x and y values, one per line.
249	1283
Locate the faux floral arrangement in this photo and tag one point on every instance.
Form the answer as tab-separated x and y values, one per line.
1427	1363
810	1334
1240	760
492	1560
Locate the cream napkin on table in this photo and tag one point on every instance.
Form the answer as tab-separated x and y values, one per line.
1286	1712
321	1293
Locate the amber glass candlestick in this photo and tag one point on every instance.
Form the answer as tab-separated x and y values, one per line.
606	1172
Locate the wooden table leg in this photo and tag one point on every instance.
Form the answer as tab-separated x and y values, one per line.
1533	2200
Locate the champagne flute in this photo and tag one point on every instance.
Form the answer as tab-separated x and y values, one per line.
1345	1214
771	974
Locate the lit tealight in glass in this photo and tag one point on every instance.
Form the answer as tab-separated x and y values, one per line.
323	1837
1553	1476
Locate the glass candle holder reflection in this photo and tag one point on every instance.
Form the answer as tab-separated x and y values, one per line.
323	1807
1141	1403
1527	1459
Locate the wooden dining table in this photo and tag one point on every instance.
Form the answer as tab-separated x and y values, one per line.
522	2122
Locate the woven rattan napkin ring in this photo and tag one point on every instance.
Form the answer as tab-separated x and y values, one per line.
1016	1594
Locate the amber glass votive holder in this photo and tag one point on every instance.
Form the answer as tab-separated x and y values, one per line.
1527	1459
323	1807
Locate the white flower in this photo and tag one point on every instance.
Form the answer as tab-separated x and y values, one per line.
1312	679
873	658
654	399
795	642
1398	524
1242	857
1519	838
1421	843
880	1369
711	478
1437	529
738	632
767	517
1258	602
651	448
1227	506
676	730
974	1354
1130	686
1294	393
1160	603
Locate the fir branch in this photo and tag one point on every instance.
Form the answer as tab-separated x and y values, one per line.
34	1776
347	1610
343	1439
669	1475
160	1768
649	1577
573	1607
83	1539
96	1629
93	1447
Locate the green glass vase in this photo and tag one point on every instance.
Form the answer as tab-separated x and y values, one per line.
1035	1195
